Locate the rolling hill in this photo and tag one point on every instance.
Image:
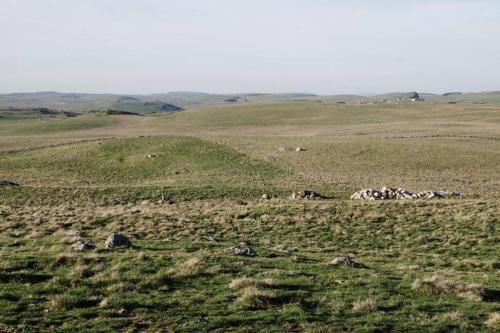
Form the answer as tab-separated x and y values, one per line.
176	101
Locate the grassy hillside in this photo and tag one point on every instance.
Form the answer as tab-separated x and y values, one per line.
179	161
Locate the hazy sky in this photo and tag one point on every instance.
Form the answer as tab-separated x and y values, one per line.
318	46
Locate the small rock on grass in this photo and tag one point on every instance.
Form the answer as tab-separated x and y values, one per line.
265	197
306	195
242	250
117	240
83	245
346	261
208	238
73	233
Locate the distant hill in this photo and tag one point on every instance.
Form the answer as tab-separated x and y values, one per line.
177	101
29	113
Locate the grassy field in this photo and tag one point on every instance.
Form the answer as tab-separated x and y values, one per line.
425	265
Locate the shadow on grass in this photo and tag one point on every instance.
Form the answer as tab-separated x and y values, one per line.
19	277
491	295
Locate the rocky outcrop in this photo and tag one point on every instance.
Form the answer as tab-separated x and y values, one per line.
387	193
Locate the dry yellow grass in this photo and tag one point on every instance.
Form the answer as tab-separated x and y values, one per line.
493	321
366	305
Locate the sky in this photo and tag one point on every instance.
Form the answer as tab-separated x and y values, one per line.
238	46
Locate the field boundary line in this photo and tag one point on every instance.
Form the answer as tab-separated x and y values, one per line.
437	136
67	143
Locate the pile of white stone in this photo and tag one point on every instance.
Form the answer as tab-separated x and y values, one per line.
387	193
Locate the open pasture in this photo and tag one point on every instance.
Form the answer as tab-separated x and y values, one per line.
184	188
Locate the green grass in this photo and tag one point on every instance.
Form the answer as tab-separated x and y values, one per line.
180	161
56	125
432	265
174	279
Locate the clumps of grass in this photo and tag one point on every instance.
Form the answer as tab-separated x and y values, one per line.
78	298
245	282
81	272
439	285
189	269
254	297
121	287
493	321
60	282
252	292
366	305
452	319
62	260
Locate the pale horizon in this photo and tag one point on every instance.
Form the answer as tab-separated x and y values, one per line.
229	47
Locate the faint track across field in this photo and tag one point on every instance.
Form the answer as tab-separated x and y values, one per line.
67	143
439	137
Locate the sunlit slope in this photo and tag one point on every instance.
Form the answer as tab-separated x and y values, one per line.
175	161
332	119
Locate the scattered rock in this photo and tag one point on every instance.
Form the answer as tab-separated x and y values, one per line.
242	250
83	245
117	240
8	183
265	197
387	193
346	261
73	233
208	238
299	149
283	149
306	195
122	312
